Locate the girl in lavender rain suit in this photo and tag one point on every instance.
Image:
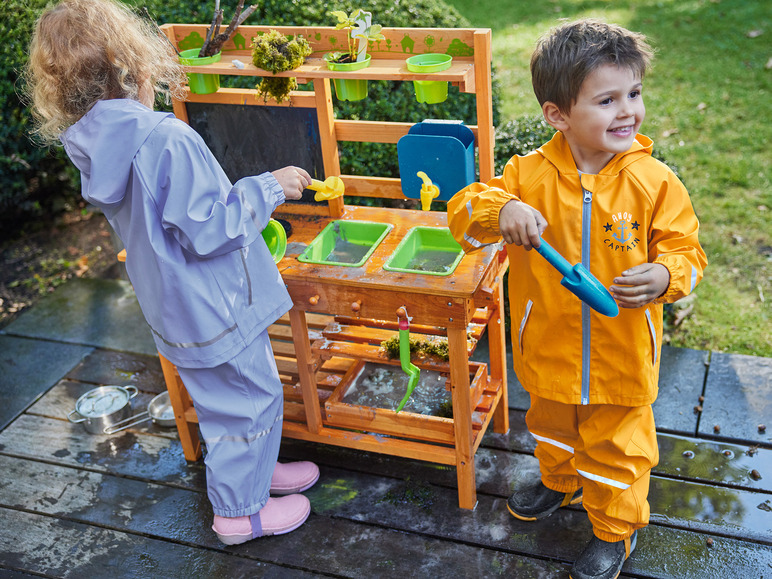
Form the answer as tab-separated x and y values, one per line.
204	278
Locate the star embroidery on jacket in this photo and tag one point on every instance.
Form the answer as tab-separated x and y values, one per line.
608	226
635	225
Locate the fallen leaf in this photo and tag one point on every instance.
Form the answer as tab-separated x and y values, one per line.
72	250
669	132
702	107
82	266
754	33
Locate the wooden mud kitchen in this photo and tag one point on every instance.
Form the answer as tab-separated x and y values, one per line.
343	312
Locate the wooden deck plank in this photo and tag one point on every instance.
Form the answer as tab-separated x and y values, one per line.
64	548
66	489
129	508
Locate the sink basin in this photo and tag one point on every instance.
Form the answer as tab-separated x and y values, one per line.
426	250
347	243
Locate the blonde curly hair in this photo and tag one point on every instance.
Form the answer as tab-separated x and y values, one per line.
84	51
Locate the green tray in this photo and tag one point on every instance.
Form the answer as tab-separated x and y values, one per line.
426	250
346	243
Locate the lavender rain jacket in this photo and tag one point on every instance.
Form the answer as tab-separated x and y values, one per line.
202	273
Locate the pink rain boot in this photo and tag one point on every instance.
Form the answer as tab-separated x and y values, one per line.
278	516
293	477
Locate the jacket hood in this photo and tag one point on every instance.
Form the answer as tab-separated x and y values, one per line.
103	143
558	152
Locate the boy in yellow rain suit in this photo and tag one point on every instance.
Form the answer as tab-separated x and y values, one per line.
628	219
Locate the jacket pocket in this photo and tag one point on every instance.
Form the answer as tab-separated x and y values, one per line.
523	322
653	335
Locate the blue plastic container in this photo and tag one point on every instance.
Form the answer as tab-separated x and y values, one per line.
444	150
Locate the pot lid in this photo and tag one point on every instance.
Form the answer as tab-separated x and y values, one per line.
102	401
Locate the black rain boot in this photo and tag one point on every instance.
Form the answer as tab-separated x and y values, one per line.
603	560
538	502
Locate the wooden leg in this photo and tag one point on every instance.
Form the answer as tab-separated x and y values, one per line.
184	413
462	418
306	370
497	345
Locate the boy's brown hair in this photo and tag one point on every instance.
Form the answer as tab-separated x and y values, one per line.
567	54
83	51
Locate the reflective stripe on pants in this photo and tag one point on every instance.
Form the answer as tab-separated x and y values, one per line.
608	450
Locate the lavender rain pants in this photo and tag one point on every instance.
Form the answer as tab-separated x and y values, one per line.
240	405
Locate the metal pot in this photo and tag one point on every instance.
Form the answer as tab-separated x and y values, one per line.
102	407
159	410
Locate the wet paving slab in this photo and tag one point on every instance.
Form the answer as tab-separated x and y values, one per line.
738	399
22	382
89	312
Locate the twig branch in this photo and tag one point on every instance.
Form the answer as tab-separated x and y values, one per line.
217	42
213	27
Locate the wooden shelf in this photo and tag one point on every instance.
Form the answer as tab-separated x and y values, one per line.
461	71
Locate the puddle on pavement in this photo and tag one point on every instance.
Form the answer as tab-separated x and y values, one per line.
383	386
727	463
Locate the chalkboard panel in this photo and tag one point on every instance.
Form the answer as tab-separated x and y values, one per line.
249	139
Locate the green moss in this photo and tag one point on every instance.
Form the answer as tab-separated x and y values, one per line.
423	346
275	52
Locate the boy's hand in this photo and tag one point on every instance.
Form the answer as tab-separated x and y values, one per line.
521	224
640	285
293	180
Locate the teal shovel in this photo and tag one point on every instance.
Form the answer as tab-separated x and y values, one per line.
579	281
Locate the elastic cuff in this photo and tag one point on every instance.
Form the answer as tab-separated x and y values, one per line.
565	486
241	512
611	537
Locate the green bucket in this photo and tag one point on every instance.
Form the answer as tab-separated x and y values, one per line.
430	91
349	89
276	239
201	83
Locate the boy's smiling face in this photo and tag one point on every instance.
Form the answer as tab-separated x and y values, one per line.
604	119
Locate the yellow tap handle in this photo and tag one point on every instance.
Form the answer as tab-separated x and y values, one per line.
428	191
331	188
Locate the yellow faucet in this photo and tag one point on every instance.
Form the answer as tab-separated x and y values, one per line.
428	191
330	188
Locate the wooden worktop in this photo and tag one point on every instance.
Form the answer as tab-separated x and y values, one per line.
447	301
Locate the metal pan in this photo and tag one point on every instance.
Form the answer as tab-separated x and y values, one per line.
159	410
102	407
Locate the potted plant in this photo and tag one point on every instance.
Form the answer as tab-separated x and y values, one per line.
360	31
275	52
211	51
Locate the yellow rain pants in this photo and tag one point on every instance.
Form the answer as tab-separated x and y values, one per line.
608	450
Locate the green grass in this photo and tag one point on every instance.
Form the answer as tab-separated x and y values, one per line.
708	110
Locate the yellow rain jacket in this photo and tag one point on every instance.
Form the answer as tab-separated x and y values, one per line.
634	211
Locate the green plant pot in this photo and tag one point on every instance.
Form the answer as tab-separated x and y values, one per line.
426	250
349	90
276	239
429	91
201	83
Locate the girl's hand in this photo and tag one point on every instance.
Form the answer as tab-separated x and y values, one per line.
293	180
521	224
640	285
